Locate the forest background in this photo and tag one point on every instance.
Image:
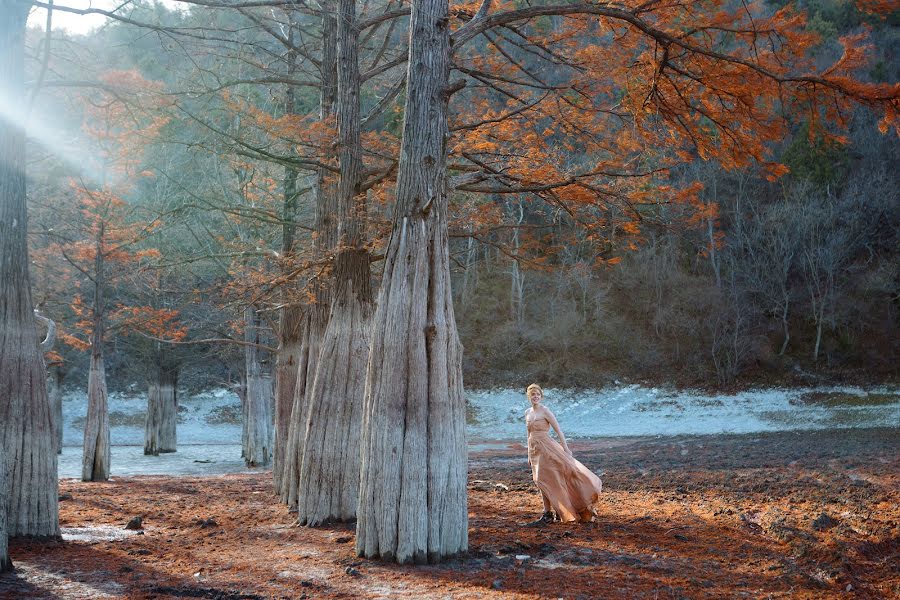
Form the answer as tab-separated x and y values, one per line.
187	151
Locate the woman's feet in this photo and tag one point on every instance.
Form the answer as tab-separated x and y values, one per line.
546	518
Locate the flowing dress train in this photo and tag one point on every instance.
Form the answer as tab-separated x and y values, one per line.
572	489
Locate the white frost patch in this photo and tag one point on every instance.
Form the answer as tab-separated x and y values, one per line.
198	459
98	533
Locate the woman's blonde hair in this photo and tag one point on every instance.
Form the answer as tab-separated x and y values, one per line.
534	386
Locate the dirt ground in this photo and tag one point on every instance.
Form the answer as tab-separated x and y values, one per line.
784	515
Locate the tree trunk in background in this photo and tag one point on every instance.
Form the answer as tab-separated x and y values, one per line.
314	320
26	428
160	432
258	397
517	277
291	317
242	395
55	394
95	462
412	497
315	317
96	459
289	349
329	470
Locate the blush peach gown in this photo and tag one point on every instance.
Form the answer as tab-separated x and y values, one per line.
571	488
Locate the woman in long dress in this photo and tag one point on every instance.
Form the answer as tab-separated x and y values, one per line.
568	488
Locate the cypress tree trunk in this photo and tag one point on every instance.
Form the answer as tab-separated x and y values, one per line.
329	471
286	362
314	320
257	398
412	497
95	462
315	317
160	432
27	446
289	333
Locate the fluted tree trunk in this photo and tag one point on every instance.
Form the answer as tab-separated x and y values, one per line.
160	431
95	462
315	315
291	315
329	471
28	497
287	359
412	497
258	398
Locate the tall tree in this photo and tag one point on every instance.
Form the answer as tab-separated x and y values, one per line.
315	315
258	397
103	240
291	314
412	497
329	472
26	426
160	431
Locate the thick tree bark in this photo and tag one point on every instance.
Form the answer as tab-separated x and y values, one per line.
314	321
315	316
95	462
291	317
160	432
412	497
287	359
329	471
258	398
26	428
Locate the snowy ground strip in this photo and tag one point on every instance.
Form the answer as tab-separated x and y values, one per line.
209	429
633	410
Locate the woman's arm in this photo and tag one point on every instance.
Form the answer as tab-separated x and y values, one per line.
527	412
562	439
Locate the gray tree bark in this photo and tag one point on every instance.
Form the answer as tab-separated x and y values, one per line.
329	471
26	429
258	401
287	359
291	317
315	316
412	497
160	431
95	462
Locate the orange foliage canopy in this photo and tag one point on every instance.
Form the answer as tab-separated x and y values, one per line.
103	237
622	93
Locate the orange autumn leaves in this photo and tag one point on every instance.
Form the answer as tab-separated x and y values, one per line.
103	240
621	102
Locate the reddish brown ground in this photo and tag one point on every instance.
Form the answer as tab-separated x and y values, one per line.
692	517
